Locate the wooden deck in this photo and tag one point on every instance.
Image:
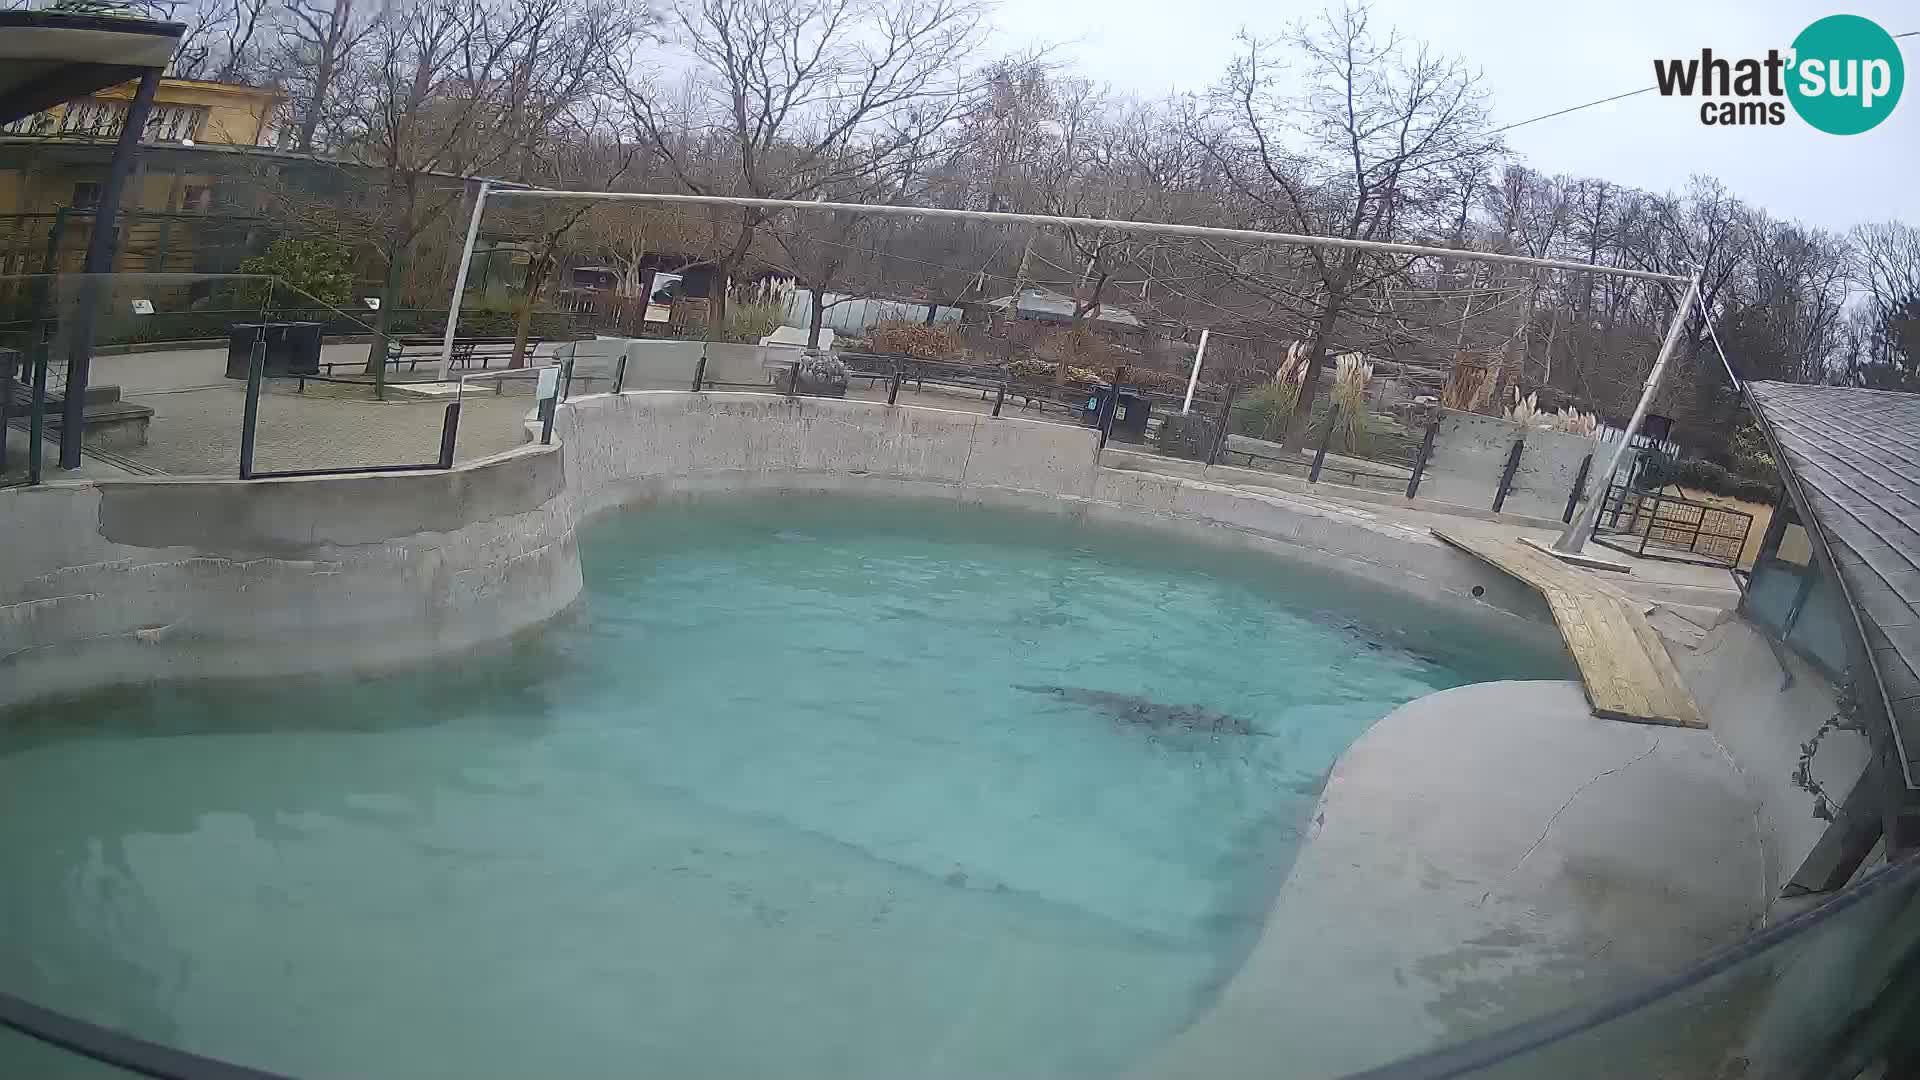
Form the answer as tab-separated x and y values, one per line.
1623	663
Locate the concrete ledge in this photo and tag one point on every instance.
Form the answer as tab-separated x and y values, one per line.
123	581
1481	856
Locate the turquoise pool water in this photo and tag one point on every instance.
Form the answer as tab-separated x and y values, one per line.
802	788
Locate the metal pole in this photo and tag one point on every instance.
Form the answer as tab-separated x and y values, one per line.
1320	455
449	434
460	282
1193	380
100	249
1579	485
1000	397
37	417
1156	228
700	369
6	405
893	384
1220	430
793	380
1420	463
620	373
250	416
1506	476
1581	531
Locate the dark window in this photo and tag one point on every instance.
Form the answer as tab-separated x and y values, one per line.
86	195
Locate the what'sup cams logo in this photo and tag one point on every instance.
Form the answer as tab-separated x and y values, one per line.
1843	75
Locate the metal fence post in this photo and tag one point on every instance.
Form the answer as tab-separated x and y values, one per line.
449	434
566	377
1420	463
893	384
6	404
1326	437
1579	485
1220	429
250	417
1652	517
620	373
793	380
700	369
1000	397
37	413
1506	475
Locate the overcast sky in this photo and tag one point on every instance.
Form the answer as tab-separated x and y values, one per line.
1542	55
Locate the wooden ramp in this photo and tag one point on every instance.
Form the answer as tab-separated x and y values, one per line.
1623	663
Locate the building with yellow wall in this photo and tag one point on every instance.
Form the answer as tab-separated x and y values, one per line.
181	214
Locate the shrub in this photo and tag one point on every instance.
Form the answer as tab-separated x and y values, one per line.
1263	413
937	342
320	268
1700	475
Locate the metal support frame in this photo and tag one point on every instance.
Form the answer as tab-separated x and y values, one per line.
1506	475
100	250
1326	437
1426	453
1577	534
1155	228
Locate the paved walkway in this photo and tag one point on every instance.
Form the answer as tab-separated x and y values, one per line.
197	413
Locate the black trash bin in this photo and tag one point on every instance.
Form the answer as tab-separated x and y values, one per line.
293	348
1129	411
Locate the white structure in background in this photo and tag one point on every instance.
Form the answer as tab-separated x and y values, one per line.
796	337
854	314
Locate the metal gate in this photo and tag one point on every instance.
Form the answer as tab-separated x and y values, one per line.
1654	525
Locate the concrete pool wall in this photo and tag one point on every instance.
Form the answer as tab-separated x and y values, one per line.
116	581
108	582
659	444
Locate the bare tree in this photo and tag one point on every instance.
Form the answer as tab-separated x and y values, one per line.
799	98
323	40
1376	148
1885	331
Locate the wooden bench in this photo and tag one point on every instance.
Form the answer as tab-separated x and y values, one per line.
412	349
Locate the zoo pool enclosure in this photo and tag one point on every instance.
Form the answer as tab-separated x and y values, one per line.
1000	710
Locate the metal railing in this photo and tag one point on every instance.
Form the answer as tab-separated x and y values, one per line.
1655	525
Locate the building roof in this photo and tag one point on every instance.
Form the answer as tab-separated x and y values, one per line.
47	57
1855	455
1046	302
